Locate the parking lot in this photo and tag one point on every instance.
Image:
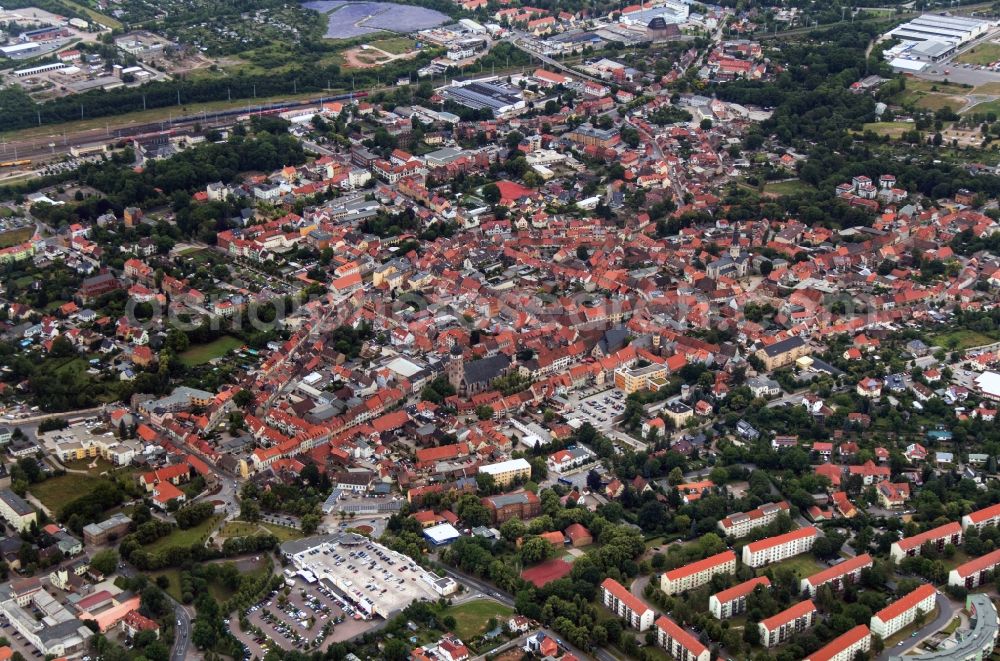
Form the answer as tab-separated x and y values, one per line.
601	409
18	643
310	618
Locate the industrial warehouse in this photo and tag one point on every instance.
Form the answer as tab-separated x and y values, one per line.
931	38
375	579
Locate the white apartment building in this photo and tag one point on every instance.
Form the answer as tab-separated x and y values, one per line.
780	547
16	511
698	573
903	611
974	572
844	647
838	576
776	629
733	601
741	523
988	516
949	533
625	605
678	643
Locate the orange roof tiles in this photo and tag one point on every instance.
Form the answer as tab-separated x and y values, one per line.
906	602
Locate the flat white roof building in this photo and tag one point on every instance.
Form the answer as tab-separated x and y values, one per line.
954	29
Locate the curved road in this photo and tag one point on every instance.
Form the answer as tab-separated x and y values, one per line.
182	619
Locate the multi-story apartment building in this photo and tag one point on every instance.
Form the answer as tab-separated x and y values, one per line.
733	601
972	573
625	605
698	573
838	576
16	511
741	523
903	611
988	516
949	533
678	643
773	549
776	629
844	647
505	472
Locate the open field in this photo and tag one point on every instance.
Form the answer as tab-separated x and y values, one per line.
14	237
57	492
184	537
394	45
933	95
985	107
174	576
96	17
987	53
891	129
961	339
202	353
790	187
471	617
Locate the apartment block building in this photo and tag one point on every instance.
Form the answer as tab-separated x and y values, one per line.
844	647
678	643
776	629
698	573
505	472
838	576
741	523
949	533
780	547
733	601
903	611
988	516
625	605
16	511
973	573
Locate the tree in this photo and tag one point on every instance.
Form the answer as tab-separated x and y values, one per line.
535	550
105	561
491	193
243	398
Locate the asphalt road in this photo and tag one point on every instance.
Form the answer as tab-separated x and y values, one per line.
182	620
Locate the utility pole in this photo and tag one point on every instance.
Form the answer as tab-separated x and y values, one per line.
143	101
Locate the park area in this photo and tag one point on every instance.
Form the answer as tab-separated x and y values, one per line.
247	529
472	618
203	353
185	538
789	187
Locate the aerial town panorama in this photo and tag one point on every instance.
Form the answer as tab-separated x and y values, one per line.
448	330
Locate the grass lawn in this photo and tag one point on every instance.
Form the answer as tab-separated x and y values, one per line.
891	129
987	53
790	187
395	45
14	237
174	576
202	353
471	617
57	492
939	101
803	565
961	339
960	557
953	625
985	107
94	16
246	529
185	537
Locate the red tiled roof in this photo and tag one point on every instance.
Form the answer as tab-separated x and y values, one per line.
623	595
985	513
916	541
742	589
701	565
808	531
978	564
681	636
840	643
906	602
789	614
846	567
